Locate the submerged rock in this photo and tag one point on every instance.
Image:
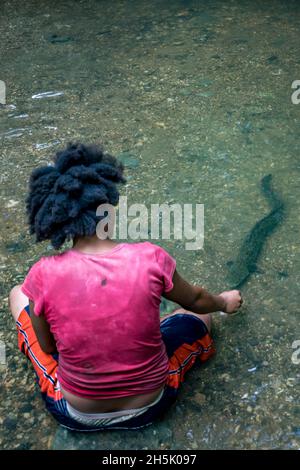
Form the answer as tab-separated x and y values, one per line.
55	39
199	398
273	59
16	247
129	160
283	274
10	423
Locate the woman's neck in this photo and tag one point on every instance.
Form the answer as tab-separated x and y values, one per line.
93	244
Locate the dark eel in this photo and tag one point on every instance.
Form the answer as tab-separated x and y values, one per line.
245	263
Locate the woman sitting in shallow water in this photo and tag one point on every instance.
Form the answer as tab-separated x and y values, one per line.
88	318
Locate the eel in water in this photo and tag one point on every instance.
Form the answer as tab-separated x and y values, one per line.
245	263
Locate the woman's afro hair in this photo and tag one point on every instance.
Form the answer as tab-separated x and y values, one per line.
63	197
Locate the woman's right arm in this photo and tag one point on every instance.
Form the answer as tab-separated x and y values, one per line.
199	300
42	331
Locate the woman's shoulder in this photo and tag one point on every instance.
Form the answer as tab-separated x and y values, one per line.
47	260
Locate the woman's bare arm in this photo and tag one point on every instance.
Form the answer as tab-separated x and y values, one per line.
42	331
199	300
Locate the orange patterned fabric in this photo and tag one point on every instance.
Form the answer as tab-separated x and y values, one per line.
44	364
185	357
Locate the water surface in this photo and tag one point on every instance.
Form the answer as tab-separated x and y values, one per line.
198	96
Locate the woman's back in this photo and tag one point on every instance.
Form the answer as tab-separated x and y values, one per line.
103	310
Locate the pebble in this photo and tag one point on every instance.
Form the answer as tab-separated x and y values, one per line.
273	59
160	124
291	382
46	145
10	423
225	377
47	94
199	398
21	116
205	94
54	39
11	203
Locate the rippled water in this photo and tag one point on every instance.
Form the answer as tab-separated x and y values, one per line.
196	98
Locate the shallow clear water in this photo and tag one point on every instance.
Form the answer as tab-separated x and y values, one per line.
199	96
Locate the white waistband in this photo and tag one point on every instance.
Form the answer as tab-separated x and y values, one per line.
109	417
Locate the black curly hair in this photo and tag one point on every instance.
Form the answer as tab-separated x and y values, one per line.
63	198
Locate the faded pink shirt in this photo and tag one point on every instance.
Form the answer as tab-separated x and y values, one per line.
103	311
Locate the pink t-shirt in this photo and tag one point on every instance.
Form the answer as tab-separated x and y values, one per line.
103	311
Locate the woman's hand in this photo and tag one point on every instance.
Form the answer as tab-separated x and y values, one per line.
232	300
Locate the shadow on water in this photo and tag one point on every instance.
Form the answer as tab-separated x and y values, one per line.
246	262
